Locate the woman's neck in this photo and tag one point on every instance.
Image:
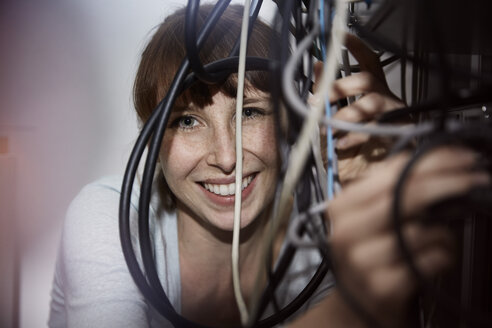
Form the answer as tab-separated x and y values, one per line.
206	268
206	247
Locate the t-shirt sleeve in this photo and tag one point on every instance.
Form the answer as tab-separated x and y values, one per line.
96	283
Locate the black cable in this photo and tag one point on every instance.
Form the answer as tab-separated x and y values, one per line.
191	45
293	306
308	78
415	68
443	67
403	60
252	18
229	65
162	305
295	121
192	51
299	35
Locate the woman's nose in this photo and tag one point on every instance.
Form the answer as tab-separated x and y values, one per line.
223	149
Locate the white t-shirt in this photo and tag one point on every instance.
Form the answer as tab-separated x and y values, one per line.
92	286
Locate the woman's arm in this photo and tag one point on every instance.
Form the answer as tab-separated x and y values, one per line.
364	247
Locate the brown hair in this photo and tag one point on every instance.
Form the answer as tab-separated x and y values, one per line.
161	58
164	53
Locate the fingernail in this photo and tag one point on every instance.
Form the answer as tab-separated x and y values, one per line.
316	100
342	143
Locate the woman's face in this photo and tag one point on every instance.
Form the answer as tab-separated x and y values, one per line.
199	159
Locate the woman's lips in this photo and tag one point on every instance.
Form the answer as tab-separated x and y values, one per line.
224	194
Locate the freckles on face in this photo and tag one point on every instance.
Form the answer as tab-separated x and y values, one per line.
179	155
198	159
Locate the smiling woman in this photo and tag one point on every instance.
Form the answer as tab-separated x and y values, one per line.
192	207
198	160
193	200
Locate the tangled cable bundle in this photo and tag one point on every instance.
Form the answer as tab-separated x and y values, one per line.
312	31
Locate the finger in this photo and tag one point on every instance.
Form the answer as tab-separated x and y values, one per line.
433	261
351	140
370	198
442	160
392	285
384	249
367	59
351	164
380	179
367	108
446	158
354	85
427	191
373	218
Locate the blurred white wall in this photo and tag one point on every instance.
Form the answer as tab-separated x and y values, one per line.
67	69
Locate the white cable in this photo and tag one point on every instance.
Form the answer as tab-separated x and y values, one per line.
243	310
293	229
302	109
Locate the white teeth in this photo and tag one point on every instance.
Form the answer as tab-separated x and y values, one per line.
224	190
231	188
227	189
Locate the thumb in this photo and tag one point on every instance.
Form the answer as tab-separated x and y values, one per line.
368	60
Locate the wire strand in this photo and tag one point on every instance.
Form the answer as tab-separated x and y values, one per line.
243	310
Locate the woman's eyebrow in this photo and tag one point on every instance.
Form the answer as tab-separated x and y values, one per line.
182	108
254	100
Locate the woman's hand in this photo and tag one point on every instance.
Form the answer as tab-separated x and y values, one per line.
367	258
356	151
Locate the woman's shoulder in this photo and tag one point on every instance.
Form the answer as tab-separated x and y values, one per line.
92	216
110	184
91	270
94	212
101	196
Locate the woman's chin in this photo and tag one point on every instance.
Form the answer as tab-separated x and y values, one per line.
224	225
227	223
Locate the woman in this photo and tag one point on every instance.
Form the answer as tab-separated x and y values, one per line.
193	201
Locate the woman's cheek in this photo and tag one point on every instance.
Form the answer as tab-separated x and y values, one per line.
261	140
179	156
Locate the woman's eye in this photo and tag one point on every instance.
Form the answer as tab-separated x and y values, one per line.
186	122
251	112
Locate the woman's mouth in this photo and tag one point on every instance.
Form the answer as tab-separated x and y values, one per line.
227	189
223	194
